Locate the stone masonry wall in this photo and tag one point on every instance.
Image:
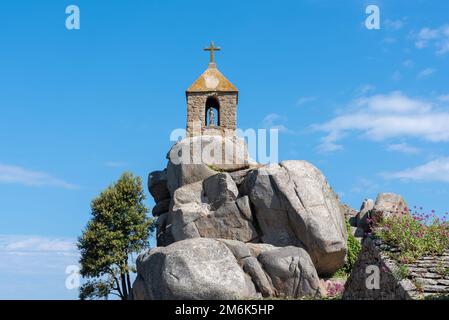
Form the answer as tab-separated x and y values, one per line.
426	278
196	111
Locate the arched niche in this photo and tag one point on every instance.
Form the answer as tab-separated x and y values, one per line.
212	116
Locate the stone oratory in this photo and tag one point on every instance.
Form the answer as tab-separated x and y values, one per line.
211	102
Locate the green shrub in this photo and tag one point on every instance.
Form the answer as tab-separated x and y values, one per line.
354	248
413	236
402	272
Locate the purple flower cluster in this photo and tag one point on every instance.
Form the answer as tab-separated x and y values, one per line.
334	288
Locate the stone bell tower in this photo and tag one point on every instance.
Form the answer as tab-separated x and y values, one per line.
211	102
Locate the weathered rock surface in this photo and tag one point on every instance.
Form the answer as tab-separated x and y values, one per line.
350	214
197	158
157	185
295	206
363	215
389	204
211	209
183	174
223	269
281	225
291	271
161	207
191	269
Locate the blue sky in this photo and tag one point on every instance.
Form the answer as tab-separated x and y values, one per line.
370	108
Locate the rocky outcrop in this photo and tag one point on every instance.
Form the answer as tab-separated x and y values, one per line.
161	207
276	227
295	206
223	269
363	216
389	204
157	185
197	158
210	209
289	204
291	272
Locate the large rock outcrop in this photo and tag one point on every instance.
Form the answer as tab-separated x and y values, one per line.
389	204
294	205
276	227
386	205
224	269
209	209
197	158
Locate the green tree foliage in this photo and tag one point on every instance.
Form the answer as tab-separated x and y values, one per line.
118	228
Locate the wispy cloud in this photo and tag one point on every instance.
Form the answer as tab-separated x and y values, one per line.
36	244
435	170
364	89
435	37
275	121
403	148
29	254
19	175
305	100
444	98
426	73
389	116
394	25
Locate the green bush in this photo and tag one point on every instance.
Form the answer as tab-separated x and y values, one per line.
413	236
354	248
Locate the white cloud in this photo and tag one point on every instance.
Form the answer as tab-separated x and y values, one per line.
305	100
438	38
436	170
35	244
20	175
275	121
393	24
38	255
426	73
403	148
444	98
382	117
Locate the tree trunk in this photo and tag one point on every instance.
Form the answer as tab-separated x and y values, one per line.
128	280
124	287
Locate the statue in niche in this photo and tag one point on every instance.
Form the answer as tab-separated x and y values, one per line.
211	117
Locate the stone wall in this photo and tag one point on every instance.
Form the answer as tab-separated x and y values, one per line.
427	277
431	275
196	111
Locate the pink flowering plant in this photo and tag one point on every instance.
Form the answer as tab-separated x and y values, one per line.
334	289
415	235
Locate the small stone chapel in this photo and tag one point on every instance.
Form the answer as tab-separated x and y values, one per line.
211	102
